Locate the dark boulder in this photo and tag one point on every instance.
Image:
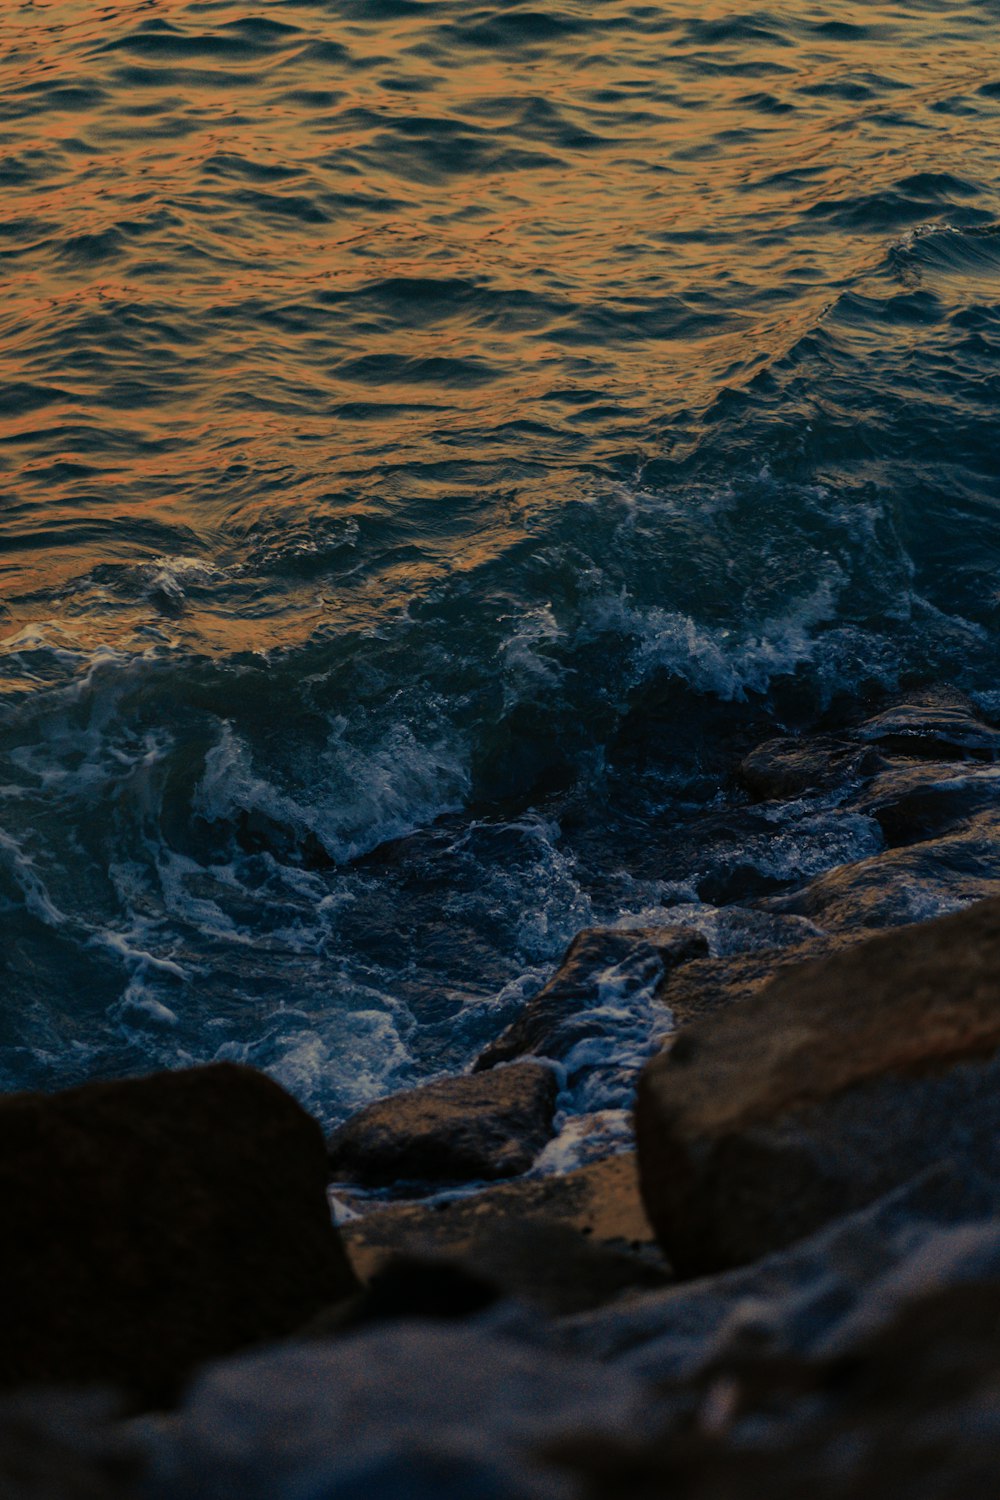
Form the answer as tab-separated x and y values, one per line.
154	1223
566	1010
58	1445
455	1130
840	1079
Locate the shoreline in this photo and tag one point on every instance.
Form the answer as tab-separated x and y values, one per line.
815	1180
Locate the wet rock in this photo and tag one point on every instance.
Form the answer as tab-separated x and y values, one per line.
561	1243
455	1130
782	769
706	985
840	1079
599	960
155	1223
429	1411
921	800
941	724
904	885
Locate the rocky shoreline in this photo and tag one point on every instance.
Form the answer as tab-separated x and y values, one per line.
791	1282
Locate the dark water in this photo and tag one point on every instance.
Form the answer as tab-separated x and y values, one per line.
435	440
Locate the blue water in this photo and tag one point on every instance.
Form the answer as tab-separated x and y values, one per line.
436	441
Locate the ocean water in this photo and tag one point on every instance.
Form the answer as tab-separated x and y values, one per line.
436	440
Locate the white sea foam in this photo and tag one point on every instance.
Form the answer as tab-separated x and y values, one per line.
361	797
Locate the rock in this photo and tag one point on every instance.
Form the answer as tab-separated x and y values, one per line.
455	1130
905	885
561	1243
920	800
841	1078
817	1298
708	984
940	724
784	768
154	1223
911	1414
427	1411
60	1446
599	959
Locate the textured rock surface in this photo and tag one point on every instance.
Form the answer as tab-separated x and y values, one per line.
911	1414
816	1298
486	1126
904	885
710	984
425	1411
839	1079
567	1010
940	724
921	800
157	1222
562	1243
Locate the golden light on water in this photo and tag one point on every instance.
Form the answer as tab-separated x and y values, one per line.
589	231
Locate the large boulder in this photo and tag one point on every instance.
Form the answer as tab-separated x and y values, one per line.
154	1223
460	1129
840	1079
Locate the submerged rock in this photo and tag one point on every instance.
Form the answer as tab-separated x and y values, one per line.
838	1080
158	1222
455	1130
599	959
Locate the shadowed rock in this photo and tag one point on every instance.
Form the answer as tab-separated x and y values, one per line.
455	1130
57	1445
838	1080
154	1223
909	1414
429	1411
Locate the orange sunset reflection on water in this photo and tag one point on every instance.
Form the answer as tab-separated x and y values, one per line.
271	272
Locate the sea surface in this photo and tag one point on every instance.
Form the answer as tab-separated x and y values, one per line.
437	439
